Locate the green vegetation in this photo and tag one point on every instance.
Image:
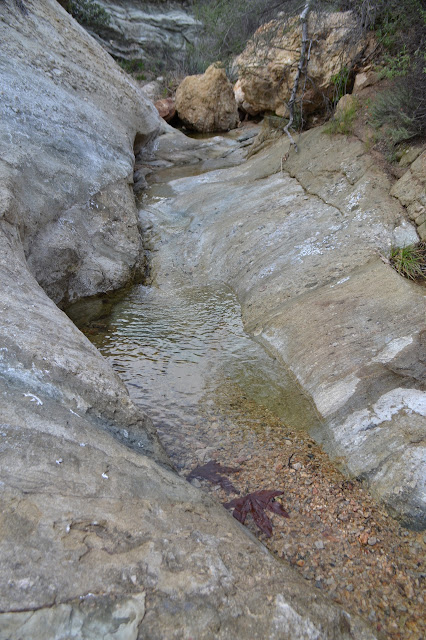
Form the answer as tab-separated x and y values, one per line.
400	112
227	25
340	83
343	120
410	261
396	65
88	13
135	67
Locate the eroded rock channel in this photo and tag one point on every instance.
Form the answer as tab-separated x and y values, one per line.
214	393
98	535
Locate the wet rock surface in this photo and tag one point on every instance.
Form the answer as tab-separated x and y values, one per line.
214	420
302	249
337	537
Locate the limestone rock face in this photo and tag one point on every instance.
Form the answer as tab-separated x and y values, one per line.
99	538
206	102
147	30
67	128
301	248
268	65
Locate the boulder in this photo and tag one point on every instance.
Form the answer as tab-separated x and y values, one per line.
152	90
166	107
364	79
346	102
267	67
99	537
206	102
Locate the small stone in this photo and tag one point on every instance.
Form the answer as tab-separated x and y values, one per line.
349	587
195	483
363	538
297	466
372	540
319	544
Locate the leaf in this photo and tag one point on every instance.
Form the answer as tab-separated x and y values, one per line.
256	503
211	472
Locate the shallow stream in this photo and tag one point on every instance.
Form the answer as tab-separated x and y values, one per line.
187	361
214	393
185	358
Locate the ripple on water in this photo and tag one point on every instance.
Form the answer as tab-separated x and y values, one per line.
181	352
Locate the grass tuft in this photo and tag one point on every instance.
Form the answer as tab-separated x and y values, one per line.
343	122
410	261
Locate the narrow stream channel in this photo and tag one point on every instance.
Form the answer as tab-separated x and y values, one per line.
214	393
189	364
182	351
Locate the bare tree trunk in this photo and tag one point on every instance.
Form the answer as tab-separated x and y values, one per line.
304	20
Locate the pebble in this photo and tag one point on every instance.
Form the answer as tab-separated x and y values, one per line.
372	540
319	544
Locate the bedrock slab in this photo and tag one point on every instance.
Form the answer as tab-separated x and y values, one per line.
303	250
68	121
99	537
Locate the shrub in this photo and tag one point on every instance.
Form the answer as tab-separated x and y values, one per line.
135	67
88	13
227	25
401	111
340	83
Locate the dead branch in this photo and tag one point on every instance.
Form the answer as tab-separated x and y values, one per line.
300	67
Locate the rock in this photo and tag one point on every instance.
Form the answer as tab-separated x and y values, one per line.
365	79
372	540
166	108
409	155
69	183
99	537
411	192
152	90
268	65
345	103
149	31
206	102
301	250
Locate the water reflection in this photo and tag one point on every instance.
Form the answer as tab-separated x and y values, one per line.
178	352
